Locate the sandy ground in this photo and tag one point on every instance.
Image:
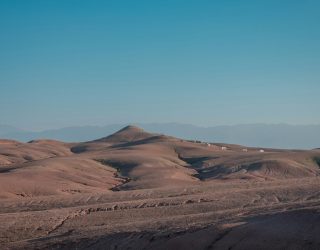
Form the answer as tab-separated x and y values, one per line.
136	190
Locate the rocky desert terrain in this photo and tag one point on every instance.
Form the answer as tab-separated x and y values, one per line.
138	190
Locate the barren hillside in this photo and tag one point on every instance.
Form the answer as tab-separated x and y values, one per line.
151	191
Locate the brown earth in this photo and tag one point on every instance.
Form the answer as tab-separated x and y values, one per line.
137	190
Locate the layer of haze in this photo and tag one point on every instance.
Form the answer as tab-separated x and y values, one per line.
77	62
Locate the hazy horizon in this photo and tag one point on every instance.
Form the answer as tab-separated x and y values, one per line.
256	135
151	123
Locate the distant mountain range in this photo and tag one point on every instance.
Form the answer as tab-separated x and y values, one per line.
259	135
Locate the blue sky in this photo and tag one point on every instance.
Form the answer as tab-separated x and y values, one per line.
72	62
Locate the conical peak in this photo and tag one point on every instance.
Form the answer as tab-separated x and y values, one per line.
127	134
131	128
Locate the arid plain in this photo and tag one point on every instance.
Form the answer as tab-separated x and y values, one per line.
138	190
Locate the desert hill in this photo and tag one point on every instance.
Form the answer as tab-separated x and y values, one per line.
259	135
135	159
129	133
134	188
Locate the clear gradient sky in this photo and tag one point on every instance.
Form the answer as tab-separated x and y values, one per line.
72	62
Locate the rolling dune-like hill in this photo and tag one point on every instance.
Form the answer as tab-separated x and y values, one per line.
75	192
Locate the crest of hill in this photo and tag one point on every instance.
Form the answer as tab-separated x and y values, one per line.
127	134
46	141
7	141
